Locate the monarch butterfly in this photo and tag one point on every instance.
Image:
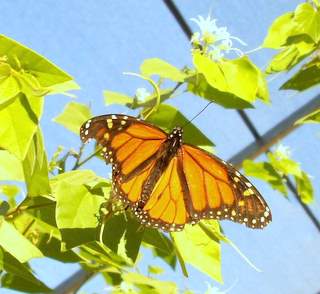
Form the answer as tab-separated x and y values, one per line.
167	183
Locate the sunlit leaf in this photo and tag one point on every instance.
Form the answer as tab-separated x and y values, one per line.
313	117
156	66
305	188
16	244
266	172
35	167
200	87
117	98
238	77
289	57
307	21
156	270
64	88
9	88
167	117
10	167
284	164
77	213
150	285
9	190
20	276
73	116
19	122
307	77
76	206
45	71
199	250
279	31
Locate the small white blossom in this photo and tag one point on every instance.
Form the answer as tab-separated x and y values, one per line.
283	151
142	94
215	41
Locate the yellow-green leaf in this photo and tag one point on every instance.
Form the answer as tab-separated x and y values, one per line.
16	244
10	167
111	97
307	21
46	72
35	167
157	66
279	31
313	117
305	188
19	122
73	116
199	250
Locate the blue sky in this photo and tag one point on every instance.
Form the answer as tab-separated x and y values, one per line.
96	41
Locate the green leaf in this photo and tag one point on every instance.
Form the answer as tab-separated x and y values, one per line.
20	276
35	167
16	244
156	66
63	88
76	206
238	77
76	213
76	177
161	245
285	165
199	250
19	122
51	247
307	77
73	116
167	117
266	172
305	188
307	21
9	190
149	285
289	57
10	167
156	270
279	31
45	71
133	237
114	230
117	98
313	117
200	87
263	90
43	211
9	88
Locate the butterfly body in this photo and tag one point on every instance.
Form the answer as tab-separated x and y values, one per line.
167	183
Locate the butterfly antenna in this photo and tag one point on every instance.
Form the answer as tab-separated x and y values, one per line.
203	109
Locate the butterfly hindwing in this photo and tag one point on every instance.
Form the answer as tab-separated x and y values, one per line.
218	191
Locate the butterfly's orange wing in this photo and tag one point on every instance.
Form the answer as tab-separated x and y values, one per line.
128	143
218	191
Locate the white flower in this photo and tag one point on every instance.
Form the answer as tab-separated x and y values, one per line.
283	151
142	94
215	41
206	25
